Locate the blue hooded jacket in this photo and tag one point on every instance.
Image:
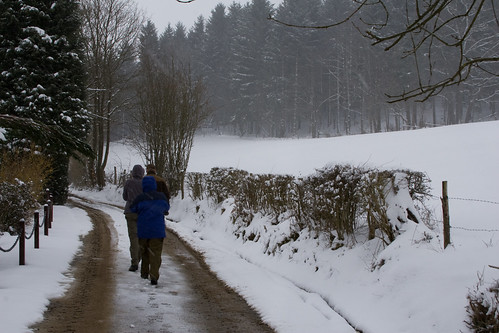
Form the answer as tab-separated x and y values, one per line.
151	207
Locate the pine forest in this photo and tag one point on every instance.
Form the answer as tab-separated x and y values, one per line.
269	79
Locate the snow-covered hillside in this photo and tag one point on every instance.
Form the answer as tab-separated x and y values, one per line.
417	285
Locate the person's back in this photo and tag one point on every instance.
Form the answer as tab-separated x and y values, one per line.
151	207
162	186
132	188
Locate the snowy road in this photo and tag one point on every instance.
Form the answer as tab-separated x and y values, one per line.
188	297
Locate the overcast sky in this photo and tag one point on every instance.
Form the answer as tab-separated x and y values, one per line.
162	12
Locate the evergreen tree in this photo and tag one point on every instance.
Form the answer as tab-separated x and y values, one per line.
10	32
166	45
149	43
299	50
254	66
43	75
218	64
180	44
197	44
173	44
238	48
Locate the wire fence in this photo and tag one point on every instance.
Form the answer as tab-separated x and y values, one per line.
467	199
475	229
48	215
483	201
475	200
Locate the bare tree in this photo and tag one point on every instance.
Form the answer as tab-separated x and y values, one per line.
172	105
111	29
466	29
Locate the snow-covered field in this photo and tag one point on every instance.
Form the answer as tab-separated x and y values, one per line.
420	287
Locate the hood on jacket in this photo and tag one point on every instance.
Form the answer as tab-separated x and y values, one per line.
149	184
137	171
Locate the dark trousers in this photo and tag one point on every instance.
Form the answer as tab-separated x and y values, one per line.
150	249
131	221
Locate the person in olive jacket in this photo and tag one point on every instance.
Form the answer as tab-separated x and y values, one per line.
160	182
132	188
151	207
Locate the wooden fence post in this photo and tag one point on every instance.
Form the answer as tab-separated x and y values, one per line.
22	242
37	230
51	211
445	211
46	220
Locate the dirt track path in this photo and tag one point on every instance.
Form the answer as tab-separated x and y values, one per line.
105	297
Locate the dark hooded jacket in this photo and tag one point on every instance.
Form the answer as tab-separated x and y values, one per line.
133	186
151	206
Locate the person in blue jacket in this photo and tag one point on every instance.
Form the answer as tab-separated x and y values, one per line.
151	207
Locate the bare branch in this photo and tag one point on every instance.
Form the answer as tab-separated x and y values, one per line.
430	24
348	18
494	10
430	90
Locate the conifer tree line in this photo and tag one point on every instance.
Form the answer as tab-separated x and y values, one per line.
70	71
42	85
76	74
267	79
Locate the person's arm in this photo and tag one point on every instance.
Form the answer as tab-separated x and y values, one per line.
166	202
134	207
167	193
125	191
167	209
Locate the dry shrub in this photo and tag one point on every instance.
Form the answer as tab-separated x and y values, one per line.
374	204
224	183
30	167
268	194
195	184
279	195
331	198
483	308
22	179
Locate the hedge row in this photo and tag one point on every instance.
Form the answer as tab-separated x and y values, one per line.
335	200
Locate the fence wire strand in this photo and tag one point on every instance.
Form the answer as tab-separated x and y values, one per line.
475	200
471	200
473	229
466	199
